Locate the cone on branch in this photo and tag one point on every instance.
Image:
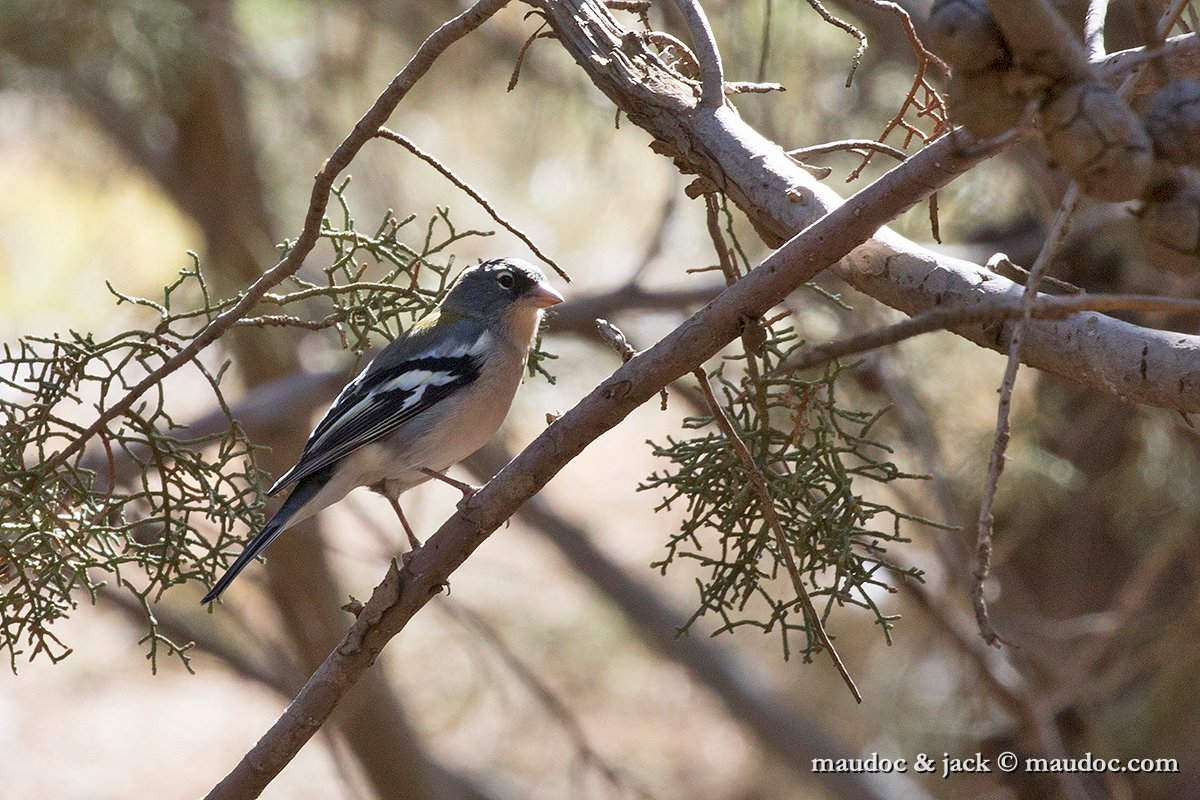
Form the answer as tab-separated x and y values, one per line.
1096	138
1173	121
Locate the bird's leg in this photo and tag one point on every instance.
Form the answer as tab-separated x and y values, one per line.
413	541
468	491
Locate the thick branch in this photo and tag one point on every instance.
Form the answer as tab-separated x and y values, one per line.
1135	363
984	312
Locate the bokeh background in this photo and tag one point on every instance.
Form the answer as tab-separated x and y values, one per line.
132	131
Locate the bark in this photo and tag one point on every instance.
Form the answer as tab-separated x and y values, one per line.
780	198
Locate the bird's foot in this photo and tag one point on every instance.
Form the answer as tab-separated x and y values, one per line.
468	490
413	542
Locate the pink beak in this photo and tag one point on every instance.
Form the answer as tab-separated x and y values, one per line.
542	296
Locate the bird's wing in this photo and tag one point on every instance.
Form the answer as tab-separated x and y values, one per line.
407	379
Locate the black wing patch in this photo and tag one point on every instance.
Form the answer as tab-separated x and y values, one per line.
375	404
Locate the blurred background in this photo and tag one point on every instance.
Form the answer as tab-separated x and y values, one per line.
132	131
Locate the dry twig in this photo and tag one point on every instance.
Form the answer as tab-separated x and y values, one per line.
856	32
930	105
853	145
448	174
983	528
712	76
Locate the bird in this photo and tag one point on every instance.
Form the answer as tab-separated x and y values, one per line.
432	397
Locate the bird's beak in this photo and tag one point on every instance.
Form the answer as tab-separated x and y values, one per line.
542	296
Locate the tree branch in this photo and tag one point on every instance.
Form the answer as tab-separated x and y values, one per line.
1135	363
712	75
984	313
448	174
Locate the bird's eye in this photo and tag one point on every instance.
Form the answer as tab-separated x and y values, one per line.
506	280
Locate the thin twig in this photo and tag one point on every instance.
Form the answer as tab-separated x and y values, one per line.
335	290
704	45
931	106
995	310
287	321
533	37
1003	266
767	504
983	528
448	174
857	33
851	145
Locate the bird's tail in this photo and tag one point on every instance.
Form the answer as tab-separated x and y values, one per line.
304	491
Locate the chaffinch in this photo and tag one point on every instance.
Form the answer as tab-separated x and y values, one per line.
430	399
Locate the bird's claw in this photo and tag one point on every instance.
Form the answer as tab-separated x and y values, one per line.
467	496
468	490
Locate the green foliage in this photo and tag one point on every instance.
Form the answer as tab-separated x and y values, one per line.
146	506
360	304
814	455
376	284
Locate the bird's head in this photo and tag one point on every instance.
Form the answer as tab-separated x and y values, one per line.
489	290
